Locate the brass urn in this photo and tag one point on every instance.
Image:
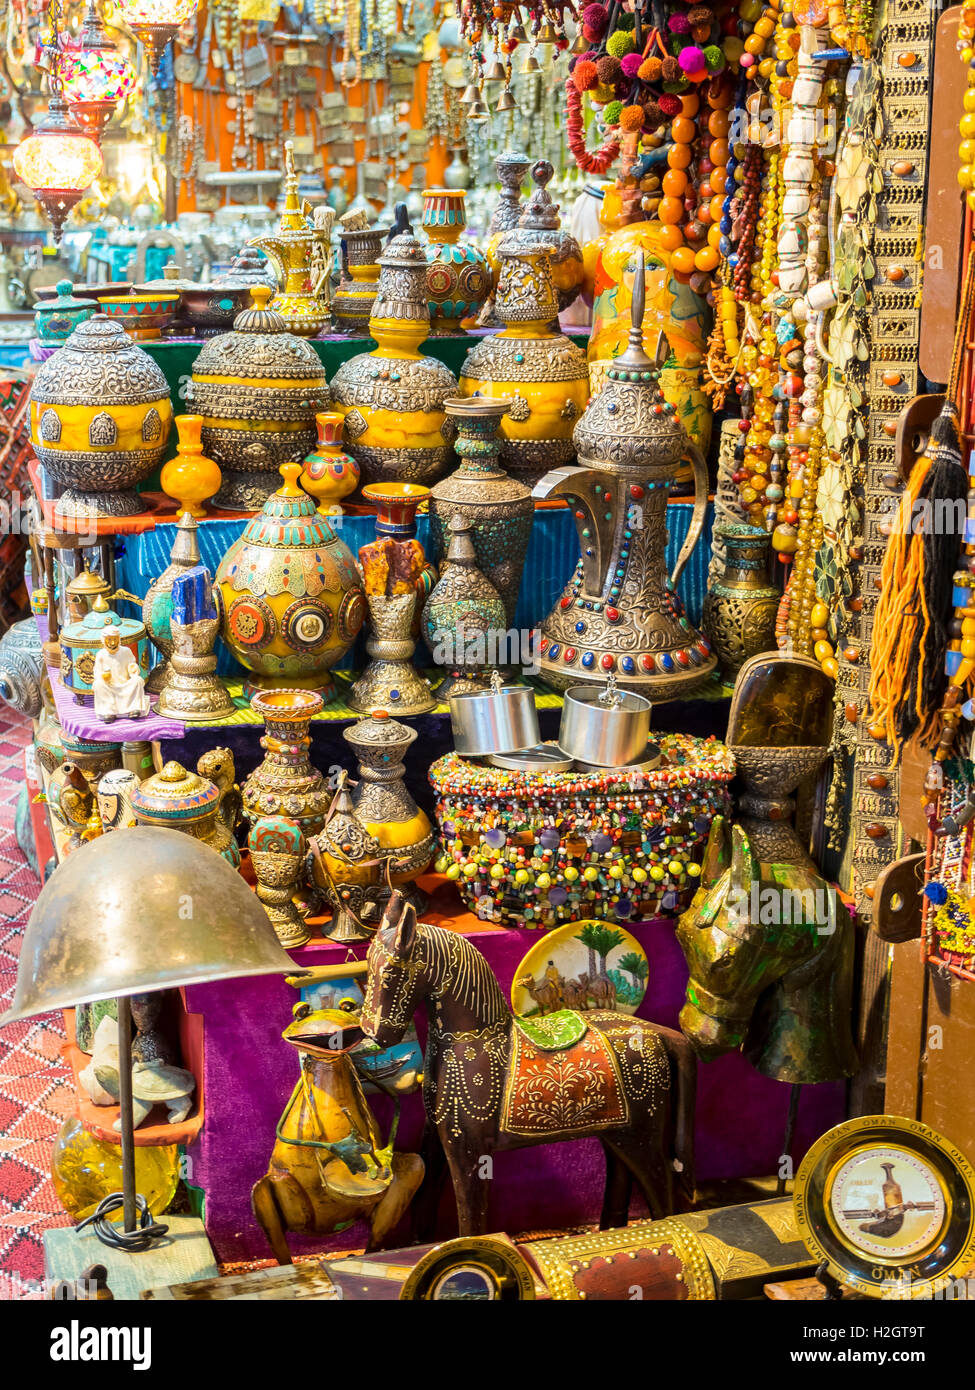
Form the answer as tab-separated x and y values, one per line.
296	249
258	390
392	399
619	613
543	374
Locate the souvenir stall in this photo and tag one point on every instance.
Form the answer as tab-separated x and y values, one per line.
500	644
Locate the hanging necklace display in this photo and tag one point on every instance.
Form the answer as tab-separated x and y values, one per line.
619	612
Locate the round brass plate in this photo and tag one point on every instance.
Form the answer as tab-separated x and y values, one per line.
471	1269
889	1204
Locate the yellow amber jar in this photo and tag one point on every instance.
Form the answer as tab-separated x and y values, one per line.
85	1169
539	368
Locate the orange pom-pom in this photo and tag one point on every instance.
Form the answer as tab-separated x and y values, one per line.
584	75
649	70
631	118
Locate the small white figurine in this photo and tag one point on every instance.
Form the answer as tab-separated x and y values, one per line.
118	686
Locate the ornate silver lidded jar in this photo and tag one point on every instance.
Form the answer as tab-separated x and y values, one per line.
381	800
545	375
392	399
540	224
100	415
619	613
252	423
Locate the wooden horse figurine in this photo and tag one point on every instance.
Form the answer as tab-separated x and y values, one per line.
492	1082
329	1167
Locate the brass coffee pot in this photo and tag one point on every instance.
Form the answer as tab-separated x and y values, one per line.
619	614
295	251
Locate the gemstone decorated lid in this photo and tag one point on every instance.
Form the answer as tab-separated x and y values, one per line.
259	345
380	734
99	363
175	794
64	299
90	627
289	547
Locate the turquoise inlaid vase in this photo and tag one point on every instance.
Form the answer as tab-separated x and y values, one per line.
458	275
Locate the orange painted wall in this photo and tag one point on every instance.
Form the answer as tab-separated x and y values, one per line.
217	116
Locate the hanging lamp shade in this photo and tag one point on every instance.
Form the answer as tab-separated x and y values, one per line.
156	22
138	910
57	162
95	76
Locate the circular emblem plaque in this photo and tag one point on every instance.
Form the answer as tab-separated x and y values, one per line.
889	1204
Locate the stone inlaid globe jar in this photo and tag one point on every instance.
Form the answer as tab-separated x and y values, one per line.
176	799
100	415
258	389
392	398
291	593
458	275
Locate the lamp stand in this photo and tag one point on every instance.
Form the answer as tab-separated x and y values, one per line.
125	1112
139	1229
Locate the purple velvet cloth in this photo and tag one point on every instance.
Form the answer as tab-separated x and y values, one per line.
249	1073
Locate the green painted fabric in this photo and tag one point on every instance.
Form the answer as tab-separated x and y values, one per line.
552	1032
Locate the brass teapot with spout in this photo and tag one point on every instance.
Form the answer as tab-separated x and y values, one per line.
619	613
299	249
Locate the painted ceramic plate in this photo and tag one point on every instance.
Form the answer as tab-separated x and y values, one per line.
583	965
889	1205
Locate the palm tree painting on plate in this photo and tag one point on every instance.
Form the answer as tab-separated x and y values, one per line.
582	965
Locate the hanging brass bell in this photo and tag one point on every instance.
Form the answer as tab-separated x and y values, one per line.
470	94
548	33
477	111
517	34
531	64
580	44
506	101
495	72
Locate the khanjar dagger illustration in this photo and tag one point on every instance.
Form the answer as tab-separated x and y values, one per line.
887	1220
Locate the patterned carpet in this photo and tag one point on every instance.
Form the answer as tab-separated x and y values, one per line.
35	1094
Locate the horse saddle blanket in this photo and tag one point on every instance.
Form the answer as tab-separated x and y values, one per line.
562	1080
